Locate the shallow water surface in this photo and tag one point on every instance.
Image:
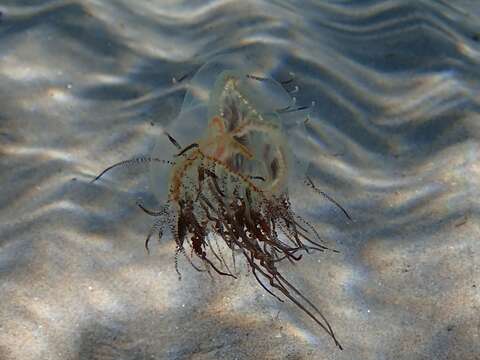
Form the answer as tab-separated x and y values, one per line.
393	136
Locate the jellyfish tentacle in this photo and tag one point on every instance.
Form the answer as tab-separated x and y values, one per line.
134	161
214	180
253	177
156	227
187	148
173	141
256	268
177	251
289	109
216	269
328	197
219	256
289	81
256	77
190	260
183	77
161	212
328	327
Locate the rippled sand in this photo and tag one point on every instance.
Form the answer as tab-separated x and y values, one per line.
395	134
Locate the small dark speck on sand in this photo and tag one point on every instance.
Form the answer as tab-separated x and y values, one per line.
450	328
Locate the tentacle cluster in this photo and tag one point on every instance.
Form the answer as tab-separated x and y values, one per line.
231	185
263	229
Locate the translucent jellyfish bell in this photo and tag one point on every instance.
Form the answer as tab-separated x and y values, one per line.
234	111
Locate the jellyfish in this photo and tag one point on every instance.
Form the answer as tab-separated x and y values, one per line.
225	171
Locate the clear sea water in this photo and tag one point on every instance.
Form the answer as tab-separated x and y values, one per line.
393	136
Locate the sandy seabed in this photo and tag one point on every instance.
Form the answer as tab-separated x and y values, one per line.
394	133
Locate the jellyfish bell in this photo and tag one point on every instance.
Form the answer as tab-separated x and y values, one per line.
231	109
